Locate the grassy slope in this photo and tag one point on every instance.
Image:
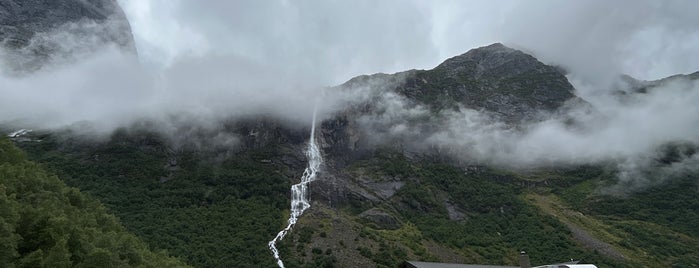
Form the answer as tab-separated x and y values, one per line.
499	220
657	227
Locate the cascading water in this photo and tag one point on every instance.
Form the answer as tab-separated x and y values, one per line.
299	192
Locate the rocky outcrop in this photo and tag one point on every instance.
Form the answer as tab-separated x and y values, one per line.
34	31
380	219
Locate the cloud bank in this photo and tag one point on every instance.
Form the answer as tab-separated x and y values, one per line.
650	137
227	59
338	40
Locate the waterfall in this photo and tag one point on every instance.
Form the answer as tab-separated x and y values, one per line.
299	192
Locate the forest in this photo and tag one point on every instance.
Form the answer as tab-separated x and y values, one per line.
221	212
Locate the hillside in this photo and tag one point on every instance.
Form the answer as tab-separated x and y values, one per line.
45	223
383	208
376	205
419	165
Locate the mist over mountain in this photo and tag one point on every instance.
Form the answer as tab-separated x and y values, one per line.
214	110
38	32
492	105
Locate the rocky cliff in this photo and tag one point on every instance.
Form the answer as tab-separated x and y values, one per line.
34	31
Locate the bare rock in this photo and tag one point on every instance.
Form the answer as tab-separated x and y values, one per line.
380	219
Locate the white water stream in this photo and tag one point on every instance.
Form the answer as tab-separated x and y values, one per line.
299	192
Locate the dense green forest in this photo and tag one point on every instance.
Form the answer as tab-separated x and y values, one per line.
220	211
44	223
210	213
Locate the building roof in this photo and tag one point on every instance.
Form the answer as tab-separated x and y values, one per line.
419	264
568	265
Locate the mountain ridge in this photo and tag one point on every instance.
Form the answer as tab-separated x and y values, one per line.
507	82
376	204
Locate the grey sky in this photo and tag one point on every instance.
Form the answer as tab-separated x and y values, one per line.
328	42
219	57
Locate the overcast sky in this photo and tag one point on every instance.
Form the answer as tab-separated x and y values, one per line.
328	42
221	58
203	61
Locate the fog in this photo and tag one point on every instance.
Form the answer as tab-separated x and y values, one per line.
648	137
249	56
337	40
225	59
617	127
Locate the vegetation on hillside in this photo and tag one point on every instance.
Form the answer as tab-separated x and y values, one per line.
44	223
207	212
497	221
221	212
658	227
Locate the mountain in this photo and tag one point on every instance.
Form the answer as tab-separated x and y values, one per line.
27	30
634	85
376	205
215	197
506	82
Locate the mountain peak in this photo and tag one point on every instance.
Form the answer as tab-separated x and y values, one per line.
506	82
495	78
494	47
488	57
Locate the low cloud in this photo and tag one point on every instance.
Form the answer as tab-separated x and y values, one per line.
209	63
627	129
101	83
641	172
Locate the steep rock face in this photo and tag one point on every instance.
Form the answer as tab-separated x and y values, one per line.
27	29
506	82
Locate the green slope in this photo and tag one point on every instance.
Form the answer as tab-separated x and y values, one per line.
210	213
222	213
44	223
497	223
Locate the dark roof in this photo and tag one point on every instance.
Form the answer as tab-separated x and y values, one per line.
419	264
